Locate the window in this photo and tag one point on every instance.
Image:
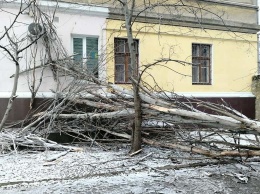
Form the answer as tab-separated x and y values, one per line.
86	53
201	64
123	60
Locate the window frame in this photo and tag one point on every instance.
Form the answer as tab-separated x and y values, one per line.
126	57
84	49
201	58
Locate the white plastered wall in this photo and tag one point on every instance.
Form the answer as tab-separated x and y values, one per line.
70	19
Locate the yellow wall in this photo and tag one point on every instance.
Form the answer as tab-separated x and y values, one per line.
234	56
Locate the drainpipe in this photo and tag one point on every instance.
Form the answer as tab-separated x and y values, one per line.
256	81
258	39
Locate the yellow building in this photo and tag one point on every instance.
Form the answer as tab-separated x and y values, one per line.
213	53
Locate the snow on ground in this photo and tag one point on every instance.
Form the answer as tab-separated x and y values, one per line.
114	171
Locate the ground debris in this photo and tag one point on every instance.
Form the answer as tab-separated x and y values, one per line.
99	171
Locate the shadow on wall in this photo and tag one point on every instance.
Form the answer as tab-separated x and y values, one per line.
245	105
21	108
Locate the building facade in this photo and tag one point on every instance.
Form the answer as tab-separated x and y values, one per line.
213	44
78	28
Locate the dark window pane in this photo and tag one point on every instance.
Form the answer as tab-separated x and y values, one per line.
92	66
195	74
92	55
78	49
204	75
195	50
120	73
92	48
205	50
195	70
195	62
205	63
129	74
120	45
120	59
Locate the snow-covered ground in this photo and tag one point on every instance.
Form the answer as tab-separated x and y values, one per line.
114	171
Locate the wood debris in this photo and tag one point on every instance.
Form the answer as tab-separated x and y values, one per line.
93	111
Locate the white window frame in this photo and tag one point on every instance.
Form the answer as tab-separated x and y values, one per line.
84	43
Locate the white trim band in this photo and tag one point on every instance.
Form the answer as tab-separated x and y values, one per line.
27	95
186	94
216	94
75	6
92	10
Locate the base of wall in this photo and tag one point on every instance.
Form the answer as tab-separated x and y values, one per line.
21	106
244	105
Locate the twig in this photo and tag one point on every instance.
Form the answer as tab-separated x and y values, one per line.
144	157
57	156
155	169
134	153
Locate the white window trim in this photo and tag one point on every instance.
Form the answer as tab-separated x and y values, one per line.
84	50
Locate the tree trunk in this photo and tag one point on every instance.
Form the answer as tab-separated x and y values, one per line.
136	133
13	94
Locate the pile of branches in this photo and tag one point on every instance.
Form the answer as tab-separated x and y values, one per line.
93	111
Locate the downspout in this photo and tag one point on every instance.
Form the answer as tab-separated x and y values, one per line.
258	34
255	82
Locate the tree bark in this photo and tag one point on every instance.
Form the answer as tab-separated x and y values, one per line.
136	131
209	153
115	114
13	94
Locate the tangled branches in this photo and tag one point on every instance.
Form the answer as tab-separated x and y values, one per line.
95	111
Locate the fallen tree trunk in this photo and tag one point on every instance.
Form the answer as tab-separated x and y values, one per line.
227	121
33	141
173	123
209	153
121	113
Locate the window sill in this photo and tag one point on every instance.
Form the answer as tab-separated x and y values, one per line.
201	83
127	83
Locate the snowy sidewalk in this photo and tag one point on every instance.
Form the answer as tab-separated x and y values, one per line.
98	171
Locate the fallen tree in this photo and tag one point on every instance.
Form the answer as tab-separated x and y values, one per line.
91	115
94	111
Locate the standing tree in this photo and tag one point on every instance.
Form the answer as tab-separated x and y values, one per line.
29	46
136	131
14	47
